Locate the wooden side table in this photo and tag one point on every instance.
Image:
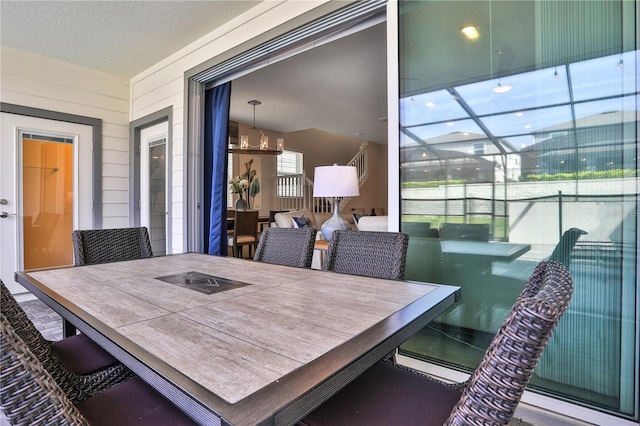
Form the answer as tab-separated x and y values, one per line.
322	246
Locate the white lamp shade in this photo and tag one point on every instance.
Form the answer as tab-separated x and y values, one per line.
335	181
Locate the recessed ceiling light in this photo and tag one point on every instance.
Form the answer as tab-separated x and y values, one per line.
470	31
519	114
430	104
449	123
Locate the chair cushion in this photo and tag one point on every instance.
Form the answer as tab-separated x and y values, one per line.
386	394
81	355
243	239
131	403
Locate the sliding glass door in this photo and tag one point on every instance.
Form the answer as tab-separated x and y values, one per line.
522	139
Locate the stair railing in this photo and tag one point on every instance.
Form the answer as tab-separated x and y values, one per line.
295	192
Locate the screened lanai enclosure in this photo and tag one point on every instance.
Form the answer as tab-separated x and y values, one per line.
518	146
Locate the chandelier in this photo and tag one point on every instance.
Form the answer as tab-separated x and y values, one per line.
262	147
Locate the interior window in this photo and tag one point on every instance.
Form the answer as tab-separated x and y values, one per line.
290	167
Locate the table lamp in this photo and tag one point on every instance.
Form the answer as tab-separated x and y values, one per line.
337	182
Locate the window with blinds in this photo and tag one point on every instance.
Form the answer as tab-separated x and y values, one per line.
289	163
289	169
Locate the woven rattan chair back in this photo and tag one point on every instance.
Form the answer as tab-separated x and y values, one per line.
493	391
75	386
286	246
368	253
38	345
388	393
30	395
110	245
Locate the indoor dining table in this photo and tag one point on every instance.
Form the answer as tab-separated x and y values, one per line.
232	341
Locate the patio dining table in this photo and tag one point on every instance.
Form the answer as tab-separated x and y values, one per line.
237	342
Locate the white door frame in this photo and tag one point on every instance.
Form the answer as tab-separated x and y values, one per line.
17	120
135	127
149	135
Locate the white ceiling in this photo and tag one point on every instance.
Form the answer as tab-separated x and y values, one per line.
339	87
119	37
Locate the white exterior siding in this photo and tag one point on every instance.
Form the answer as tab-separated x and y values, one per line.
40	82
162	85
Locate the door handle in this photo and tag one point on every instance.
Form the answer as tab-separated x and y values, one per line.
5	214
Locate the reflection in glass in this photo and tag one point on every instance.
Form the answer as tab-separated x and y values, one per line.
450	130
604	77
529	90
549	169
434	106
529	121
47	205
157	196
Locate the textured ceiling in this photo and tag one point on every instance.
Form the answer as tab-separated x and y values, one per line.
119	37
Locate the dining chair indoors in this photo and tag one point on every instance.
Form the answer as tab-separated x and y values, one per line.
390	394
110	245
286	246
245	232
81	366
31	395
368	253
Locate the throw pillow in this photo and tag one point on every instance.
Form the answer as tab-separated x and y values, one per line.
301	222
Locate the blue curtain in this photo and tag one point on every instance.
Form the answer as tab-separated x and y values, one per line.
216	126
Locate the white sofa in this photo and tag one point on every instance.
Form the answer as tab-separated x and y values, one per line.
364	223
373	223
285	220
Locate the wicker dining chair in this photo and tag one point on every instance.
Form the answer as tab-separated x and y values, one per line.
286	246
92	246
368	253
245	231
390	394
80	366
30	395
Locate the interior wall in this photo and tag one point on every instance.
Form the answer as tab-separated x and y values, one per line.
162	85
267	166
37	81
374	192
322	148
